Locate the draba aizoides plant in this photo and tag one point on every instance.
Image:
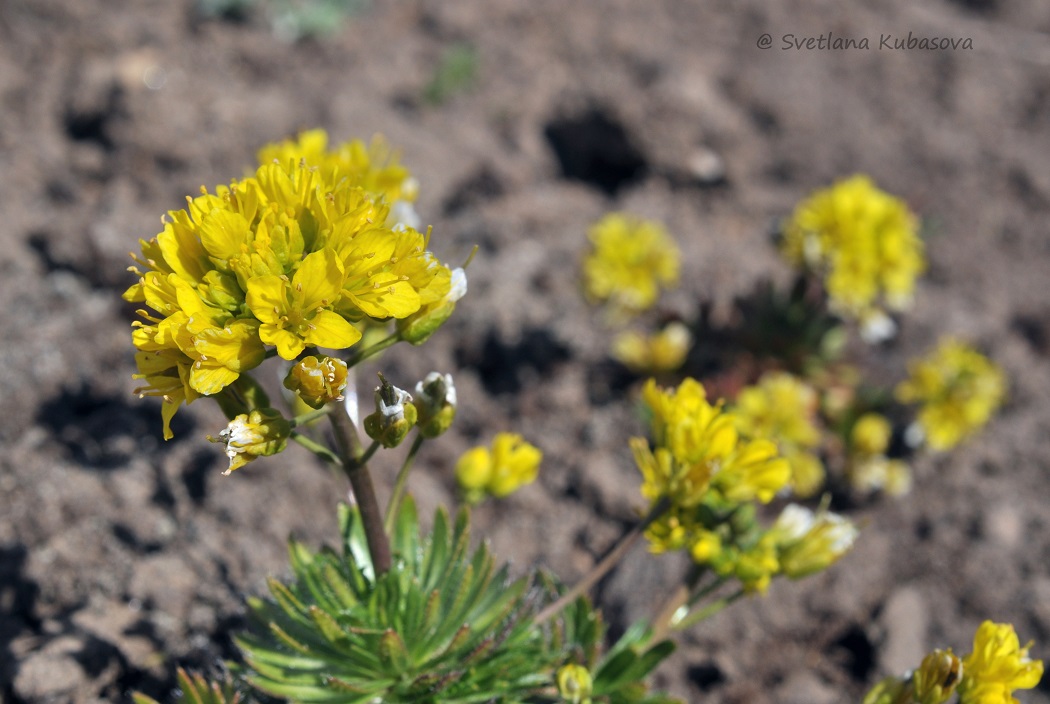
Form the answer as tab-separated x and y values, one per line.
315	264
785	361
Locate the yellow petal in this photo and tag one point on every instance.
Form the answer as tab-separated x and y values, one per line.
267	299
328	329
223	233
319	280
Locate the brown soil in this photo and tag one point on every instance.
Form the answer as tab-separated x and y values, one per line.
122	556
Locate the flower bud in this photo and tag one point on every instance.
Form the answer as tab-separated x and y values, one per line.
436	403
260	433
871	434
935	680
828	538
317	381
892	690
394	417
575	684
418	327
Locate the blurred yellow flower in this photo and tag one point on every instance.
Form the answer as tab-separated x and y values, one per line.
631	261
862	241
958	390
871	434
509	464
664	351
997	666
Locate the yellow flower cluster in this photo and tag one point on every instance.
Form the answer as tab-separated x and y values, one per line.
508	465
297	256
631	262
958	388
863	242
997	666
664	351
783	407
698	450
869	469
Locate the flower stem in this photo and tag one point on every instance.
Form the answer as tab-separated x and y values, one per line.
353	459
362	355
310	417
611	559
399	484
316	448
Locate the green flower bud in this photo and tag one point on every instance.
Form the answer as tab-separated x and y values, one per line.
317	381
394	417
436	402
892	690
811	542
935	680
260	433
575	684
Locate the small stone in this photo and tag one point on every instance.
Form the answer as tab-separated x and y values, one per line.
706	168
50	673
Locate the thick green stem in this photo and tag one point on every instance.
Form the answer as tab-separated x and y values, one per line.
611	559
354	457
400	483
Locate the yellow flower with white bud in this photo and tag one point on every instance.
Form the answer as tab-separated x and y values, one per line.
809	542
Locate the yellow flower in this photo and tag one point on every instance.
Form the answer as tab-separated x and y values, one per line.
291	256
997	666
260	433
862	241
298	312
807	472
574	684
509	464
958	389
697	447
663	352
937	677
317	381
871	434
780	407
631	261
756	567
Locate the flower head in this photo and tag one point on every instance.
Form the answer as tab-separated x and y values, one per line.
574	684
261	433
317	381
863	242
808	542
290	257
663	352
997	666
697	447
509	464
631	262
958	388
937	677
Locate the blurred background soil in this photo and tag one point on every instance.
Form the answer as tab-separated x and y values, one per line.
122	556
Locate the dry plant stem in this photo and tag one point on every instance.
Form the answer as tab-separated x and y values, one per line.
353	458
611	559
399	484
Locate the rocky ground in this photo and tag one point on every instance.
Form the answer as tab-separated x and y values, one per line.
122	556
